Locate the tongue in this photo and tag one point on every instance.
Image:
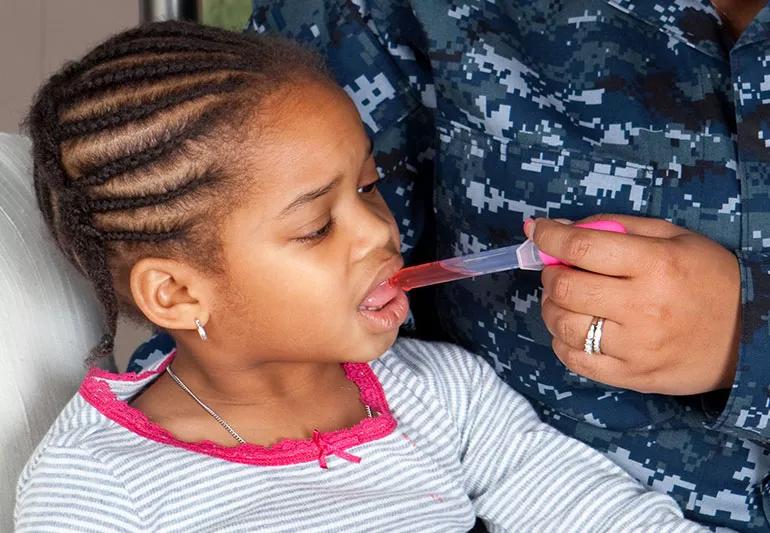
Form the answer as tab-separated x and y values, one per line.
380	295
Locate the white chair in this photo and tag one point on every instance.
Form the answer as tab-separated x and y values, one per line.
49	319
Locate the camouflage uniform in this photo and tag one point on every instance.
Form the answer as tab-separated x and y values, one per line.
485	113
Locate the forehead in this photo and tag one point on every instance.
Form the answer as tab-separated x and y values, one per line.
311	126
298	142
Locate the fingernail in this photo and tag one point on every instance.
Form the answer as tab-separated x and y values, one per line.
529	227
563	220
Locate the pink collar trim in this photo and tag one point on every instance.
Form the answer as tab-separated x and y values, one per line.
96	390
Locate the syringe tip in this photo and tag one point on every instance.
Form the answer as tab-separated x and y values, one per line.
391	281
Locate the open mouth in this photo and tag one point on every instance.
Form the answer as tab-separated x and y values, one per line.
385	306
379	297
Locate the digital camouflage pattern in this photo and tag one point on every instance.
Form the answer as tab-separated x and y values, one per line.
485	113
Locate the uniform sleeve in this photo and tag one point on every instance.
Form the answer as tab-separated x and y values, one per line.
745	410
64	489
522	474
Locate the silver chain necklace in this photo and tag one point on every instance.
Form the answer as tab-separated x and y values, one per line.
218	418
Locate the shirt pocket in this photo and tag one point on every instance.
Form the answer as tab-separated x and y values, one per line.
571	184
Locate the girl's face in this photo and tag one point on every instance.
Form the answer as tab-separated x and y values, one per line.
315	237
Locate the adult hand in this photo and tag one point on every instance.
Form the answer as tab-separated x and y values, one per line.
670	299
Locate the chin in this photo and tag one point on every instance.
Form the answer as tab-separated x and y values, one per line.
372	347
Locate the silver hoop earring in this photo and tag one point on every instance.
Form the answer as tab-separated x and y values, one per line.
201	330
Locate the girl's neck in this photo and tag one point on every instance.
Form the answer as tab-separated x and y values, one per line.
229	382
264	403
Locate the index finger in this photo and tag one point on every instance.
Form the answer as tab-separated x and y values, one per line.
603	252
637	225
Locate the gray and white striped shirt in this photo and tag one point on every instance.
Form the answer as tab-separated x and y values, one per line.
451	442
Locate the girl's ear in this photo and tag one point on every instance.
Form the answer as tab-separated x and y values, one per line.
170	294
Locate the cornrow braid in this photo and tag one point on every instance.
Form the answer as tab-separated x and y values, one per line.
152	45
130	147
164	31
127	114
104	205
89	86
131	42
98	175
139	236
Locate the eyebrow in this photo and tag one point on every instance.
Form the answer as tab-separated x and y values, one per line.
308	197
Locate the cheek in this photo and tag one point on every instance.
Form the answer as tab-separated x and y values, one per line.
290	286
298	302
289	310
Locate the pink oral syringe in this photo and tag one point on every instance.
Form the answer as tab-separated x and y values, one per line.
525	256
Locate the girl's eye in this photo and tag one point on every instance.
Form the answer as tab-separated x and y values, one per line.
367	188
318	234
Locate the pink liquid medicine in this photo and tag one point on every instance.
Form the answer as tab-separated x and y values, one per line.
427	274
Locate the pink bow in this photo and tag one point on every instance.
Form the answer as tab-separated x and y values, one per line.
325	448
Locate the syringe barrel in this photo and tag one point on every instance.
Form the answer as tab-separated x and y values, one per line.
487	262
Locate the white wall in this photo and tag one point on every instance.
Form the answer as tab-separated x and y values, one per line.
36	38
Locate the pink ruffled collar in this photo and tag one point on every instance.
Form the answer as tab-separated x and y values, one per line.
97	390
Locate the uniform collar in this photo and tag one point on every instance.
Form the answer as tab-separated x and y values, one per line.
693	22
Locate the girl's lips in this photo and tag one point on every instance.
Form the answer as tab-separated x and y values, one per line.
388	317
385	306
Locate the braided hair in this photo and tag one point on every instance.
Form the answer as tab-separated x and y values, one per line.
130	147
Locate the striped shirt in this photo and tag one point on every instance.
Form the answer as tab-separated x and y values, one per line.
450	442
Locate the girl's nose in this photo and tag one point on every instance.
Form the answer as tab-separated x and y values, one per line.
372	225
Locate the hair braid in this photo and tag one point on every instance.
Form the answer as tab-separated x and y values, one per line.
118	204
133	161
44	152
172	29
89	86
141	237
169	34
149	45
130	147
129	114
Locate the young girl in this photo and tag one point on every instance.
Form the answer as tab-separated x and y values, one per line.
222	187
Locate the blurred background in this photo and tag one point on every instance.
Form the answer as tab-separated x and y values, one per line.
39	36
